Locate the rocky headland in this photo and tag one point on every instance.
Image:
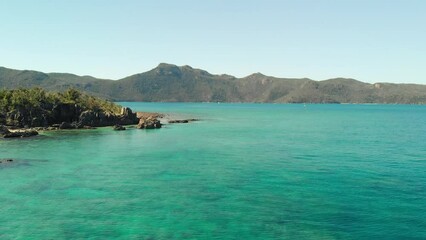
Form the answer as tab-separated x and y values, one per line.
24	112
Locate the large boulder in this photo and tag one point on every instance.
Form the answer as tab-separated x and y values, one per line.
127	117
149	123
118	127
97	119
107	119
125	111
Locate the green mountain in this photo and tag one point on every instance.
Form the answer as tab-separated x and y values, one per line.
171	83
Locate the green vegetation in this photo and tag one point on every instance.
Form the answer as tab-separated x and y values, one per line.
38	99
170	83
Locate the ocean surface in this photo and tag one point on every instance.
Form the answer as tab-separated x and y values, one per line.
246	171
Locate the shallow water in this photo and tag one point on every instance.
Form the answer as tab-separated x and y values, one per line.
246	171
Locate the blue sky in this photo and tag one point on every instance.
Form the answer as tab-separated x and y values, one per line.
372	41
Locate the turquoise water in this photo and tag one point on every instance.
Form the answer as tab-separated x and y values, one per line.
247	171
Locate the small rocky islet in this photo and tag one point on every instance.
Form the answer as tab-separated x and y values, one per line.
6	161
24	112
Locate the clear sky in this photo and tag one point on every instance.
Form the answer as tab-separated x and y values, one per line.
369	40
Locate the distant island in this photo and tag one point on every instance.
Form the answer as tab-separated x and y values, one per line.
171	83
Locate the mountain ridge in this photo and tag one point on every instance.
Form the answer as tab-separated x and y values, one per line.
171	83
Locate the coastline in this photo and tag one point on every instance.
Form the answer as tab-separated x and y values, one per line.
126	118
145	120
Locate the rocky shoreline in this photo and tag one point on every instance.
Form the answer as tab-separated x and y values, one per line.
16	125
90	120
24	112
6	133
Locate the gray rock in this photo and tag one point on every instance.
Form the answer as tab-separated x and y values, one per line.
178	121
6	161
101	119
21	133
127	117
183	120
66	125
125	111
149	123
88	118
118	127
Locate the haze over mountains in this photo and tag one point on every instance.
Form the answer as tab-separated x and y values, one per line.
171	83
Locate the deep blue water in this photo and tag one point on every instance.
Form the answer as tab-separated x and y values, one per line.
246	171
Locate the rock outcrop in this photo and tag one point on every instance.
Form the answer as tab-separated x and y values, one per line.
6	133
67	116
183	120
127	117
149	123
36	108
7	160
118	127
102	119
149	114
66	125
21	133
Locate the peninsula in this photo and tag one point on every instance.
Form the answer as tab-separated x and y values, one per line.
24	111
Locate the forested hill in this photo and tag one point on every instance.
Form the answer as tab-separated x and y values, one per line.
170	83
